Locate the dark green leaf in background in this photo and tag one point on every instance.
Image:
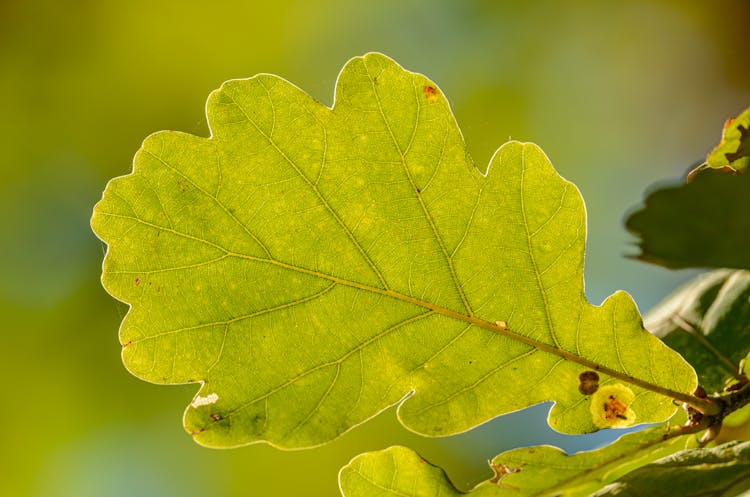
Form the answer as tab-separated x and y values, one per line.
722	471
708	322
703	223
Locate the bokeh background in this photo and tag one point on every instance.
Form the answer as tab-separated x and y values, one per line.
619	94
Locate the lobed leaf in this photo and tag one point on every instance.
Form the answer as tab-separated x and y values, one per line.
311	266
532	471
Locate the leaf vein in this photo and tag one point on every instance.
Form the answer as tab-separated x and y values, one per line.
227	322
481	379
317	406
341	359
216	201
320	196
540	285
420	199
174	268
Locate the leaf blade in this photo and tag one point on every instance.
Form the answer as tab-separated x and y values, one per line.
313	266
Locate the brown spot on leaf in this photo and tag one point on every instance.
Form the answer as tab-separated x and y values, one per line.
589	382
137	281
216	417
128	343
431	94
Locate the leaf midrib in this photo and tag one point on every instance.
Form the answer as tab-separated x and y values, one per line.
473	320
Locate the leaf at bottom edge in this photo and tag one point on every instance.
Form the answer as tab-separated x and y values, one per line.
524	472
722	471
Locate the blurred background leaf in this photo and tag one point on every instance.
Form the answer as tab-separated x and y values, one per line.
618	95
715	471
708	321
702	223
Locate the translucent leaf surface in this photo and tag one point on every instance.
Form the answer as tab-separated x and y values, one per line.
312	266
708	322
531	471
722	471
733	151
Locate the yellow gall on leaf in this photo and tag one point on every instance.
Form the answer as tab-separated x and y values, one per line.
610	406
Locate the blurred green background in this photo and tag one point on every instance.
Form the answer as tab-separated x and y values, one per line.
619	94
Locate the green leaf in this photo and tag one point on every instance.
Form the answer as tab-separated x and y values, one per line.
531	471
313	266
701	223
722	471
698	224
708	322
733	151
393	471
